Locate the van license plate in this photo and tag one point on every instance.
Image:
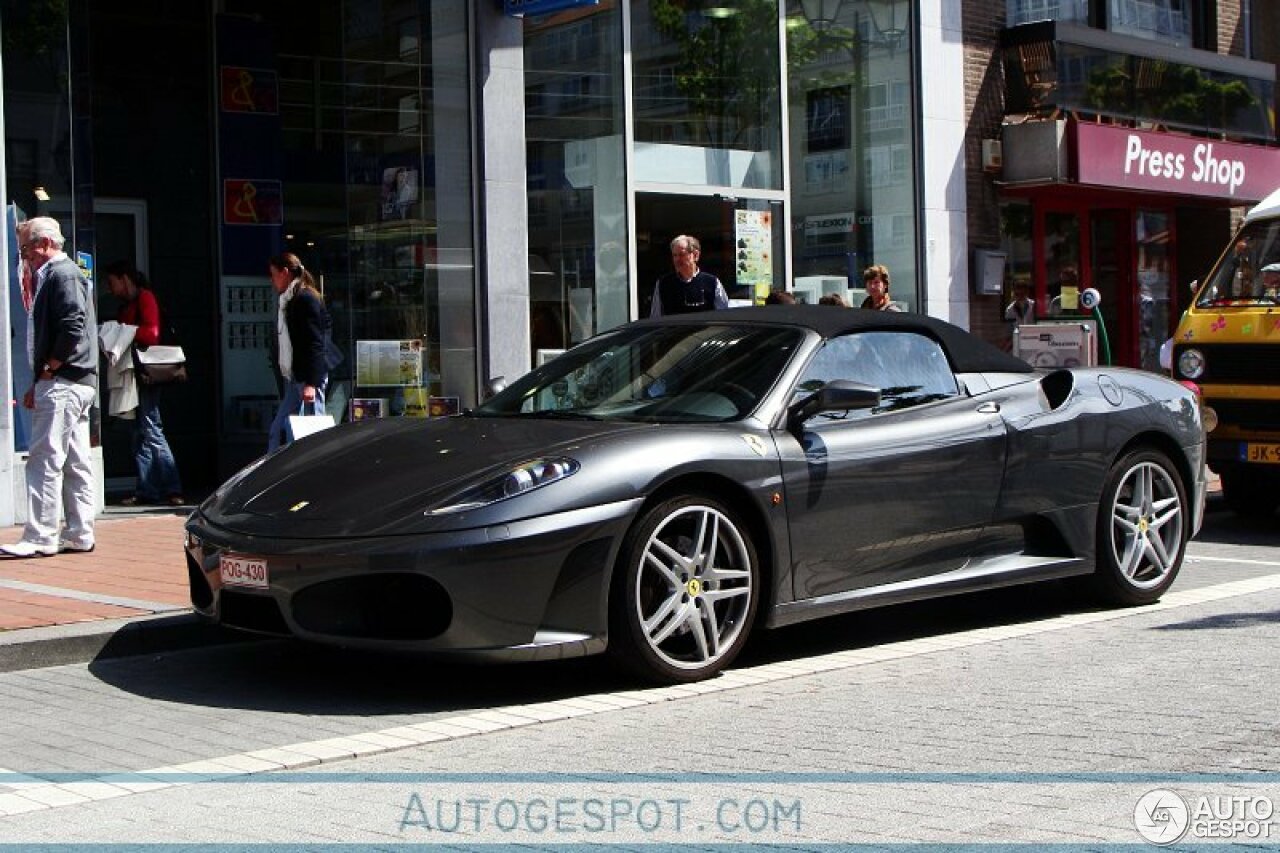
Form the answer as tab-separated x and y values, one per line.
244	571
1266	453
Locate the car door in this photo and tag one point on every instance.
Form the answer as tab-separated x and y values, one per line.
893	493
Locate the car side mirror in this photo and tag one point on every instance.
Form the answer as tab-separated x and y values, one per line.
1193	286
838	395
495	385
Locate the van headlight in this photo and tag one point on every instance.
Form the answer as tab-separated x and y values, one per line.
1191	363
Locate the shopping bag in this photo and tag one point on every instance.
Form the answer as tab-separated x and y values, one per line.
302	425
159	364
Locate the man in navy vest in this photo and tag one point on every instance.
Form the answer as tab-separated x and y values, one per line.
687	289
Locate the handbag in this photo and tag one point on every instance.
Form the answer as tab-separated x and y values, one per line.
159	364
302	425
163	363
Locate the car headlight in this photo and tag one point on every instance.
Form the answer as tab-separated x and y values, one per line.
519	480
1191	363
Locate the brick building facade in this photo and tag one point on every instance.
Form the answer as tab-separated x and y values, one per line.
1235	43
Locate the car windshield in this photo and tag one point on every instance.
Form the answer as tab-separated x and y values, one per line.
1249	274
659	374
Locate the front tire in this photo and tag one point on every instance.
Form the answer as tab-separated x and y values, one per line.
685	593
1142	529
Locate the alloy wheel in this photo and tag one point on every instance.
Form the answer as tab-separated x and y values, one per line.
694	587
1147	524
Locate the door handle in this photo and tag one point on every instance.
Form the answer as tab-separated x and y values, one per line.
989	408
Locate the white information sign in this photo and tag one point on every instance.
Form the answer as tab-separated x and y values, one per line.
753	233
1056	344
389	363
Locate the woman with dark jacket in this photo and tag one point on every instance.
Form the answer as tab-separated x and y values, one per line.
303	329
158	480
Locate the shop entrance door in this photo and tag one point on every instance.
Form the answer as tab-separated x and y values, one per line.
120	233
1111	263
742	242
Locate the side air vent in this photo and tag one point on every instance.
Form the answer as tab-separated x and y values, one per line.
1057	387
201	594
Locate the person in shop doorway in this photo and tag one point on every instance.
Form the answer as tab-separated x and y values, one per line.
62	343
158	480
1068	292
302	344
1022	310
687	288
875	279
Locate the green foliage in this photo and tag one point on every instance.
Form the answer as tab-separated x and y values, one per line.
34	28
728	66
1169	91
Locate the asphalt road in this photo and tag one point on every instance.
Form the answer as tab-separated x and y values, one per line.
1023	715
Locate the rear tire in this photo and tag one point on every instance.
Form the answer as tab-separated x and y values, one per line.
1142	529
685	591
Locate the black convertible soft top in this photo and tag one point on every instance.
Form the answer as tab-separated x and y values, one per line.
968	354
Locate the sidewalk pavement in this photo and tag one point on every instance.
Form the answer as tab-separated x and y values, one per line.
136	577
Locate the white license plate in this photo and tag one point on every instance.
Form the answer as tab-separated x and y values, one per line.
244	571
1266	453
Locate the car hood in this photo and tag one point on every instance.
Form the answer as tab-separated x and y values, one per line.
379	477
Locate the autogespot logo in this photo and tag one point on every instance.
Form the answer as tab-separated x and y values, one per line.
1161	816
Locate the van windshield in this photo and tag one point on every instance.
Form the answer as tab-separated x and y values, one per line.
1249	274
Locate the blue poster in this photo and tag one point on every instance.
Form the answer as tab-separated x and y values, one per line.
250	158
84	260
18	360
520	8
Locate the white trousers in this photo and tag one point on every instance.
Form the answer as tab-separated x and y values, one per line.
59	472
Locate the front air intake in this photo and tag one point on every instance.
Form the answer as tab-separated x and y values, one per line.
384	606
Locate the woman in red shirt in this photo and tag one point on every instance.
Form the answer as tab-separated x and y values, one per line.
158	481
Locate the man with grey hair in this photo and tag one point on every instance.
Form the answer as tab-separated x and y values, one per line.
687	289
62	343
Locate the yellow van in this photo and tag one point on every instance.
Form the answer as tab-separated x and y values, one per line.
1228	346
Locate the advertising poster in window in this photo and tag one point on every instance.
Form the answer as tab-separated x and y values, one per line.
389	363
399	192
753	239
415	403
364	408
443	407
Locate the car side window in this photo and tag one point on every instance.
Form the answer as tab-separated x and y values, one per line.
908	368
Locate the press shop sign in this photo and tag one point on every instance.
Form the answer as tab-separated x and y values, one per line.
1169	162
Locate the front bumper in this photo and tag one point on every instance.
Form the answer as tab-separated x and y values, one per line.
532	589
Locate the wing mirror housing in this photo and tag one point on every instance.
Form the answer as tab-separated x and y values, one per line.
838	395
495	385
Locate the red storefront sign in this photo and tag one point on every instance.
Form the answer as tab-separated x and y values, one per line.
252	202
1168	162
248	90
